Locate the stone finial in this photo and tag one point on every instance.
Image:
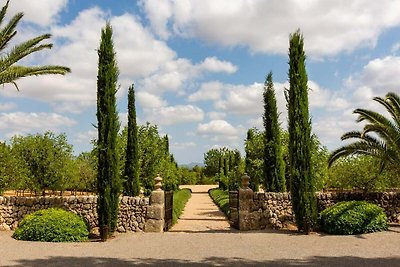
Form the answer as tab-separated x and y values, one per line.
157	183
245	181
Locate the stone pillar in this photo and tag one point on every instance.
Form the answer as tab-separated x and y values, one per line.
155	211
248	220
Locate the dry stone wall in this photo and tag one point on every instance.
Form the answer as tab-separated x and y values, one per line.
131	217
254	211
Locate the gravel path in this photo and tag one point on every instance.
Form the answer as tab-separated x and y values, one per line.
211	243
200	213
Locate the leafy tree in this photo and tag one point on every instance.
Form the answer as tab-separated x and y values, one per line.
13	172
212	162
10	72
274	168
254	149
302	188
85	165
380	137
108	182
361	172
131	174
48	160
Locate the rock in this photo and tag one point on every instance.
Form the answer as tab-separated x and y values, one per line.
4	227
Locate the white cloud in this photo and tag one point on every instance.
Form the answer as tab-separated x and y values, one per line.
23	123
7	106
85	137
213	64
242	99
42	13
174	114
148	100
183	145
217	127
395	48
208	91
264	26
214	115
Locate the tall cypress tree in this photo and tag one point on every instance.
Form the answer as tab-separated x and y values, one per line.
274	166
131	171
302	191
108	183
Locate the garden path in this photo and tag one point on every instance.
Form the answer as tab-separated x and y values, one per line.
200	213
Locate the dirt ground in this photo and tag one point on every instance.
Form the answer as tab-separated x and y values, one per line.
200	213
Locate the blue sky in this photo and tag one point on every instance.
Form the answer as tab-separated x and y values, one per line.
199	66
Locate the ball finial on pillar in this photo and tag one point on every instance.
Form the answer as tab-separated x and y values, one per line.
157	183
245	181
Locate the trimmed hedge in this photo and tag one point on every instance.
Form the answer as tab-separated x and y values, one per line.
52	225
353	217
181	197
221	199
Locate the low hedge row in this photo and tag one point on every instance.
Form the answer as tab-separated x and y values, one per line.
221	199
181	197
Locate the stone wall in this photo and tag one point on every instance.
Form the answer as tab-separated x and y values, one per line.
254	211
132	212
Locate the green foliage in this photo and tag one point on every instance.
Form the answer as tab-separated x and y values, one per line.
221	199
52	225
380	137
274	166
353	217
254	148
86	176
301	177
47	160
154	158
231	167
108	176
362	172
9	71
131	171
13	171
181	197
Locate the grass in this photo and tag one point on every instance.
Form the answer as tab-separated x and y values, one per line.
221	199
181	197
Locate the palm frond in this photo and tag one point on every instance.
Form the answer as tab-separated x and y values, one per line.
8	32
3	12
16	72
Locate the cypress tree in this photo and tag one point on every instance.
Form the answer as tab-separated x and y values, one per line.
108	183
131	171
274	166
302	191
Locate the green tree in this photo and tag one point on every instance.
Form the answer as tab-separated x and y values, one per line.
131	173
380	137
48	160
301	183
254	149
13	171
108	182
10	72
274	166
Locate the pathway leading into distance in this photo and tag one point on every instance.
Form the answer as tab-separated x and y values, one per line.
201	214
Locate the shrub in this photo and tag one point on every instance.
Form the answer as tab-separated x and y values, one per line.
181	197
353	217
52	225
221	199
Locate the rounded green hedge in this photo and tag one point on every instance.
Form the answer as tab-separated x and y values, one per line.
353	217
52	225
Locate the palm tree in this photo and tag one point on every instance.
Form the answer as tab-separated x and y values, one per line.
380	137
9	71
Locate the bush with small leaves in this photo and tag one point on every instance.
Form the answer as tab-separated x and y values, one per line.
353	217
52	225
